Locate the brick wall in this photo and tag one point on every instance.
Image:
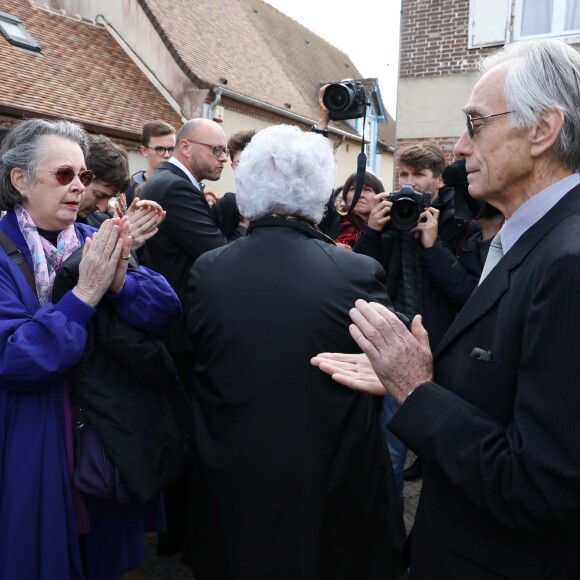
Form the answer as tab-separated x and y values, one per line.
446	144
434	36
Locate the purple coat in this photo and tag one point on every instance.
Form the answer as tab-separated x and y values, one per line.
38	345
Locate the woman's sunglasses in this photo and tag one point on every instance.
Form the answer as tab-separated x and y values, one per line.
65	175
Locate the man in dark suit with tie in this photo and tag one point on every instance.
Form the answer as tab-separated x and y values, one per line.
495	414
187	232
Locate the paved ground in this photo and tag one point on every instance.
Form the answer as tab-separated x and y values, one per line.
173	569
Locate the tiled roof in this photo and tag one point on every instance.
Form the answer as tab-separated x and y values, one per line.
258	50
81	74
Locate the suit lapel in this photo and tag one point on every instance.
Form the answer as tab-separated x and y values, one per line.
498	280
176	170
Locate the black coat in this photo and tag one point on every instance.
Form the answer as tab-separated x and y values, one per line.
187	232
456	278
409	281
295	465
499	431
127	386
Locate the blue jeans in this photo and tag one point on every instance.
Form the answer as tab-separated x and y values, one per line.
397	448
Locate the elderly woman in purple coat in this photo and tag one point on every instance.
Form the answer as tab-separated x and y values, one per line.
42	515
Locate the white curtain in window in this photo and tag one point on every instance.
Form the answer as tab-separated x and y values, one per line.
537	16
572	15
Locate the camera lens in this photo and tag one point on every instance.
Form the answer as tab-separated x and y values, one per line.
405	214
337	97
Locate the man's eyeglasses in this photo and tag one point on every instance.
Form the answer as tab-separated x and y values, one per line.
161	150
470	119
217	150
65	175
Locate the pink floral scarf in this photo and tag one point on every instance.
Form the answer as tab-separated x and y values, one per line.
45	257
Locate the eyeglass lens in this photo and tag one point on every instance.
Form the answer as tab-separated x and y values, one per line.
65	175
161	150
470	129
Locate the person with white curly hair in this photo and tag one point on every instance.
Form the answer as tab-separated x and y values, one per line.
298	481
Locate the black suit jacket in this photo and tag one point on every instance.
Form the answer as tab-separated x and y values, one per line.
187	232
295	464
499	433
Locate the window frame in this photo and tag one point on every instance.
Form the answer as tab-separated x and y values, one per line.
557	24
25	41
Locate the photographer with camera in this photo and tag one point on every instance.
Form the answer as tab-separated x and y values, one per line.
403	231
458	276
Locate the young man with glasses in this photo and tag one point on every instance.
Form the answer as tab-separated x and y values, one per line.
189	230
157	146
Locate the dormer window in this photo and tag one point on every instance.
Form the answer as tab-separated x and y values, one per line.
15	33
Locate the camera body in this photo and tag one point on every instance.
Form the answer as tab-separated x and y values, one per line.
466	207
345	100
408	205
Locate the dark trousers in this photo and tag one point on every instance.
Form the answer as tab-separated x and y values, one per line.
176	493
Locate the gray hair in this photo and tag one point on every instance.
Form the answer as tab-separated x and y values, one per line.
23	149
287	171
544	77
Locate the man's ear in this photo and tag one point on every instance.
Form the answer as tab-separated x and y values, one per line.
19	179
143	150
546	132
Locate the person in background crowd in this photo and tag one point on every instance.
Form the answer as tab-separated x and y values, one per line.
354	221
43	177
457	277
237	143
405	255
297	481
157	146
210	197
494	413
187	232
109	163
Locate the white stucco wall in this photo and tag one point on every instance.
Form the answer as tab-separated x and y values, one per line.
432	107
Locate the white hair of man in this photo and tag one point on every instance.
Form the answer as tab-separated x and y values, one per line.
544	77
286	171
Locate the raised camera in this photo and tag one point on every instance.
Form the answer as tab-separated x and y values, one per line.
408	205
345	100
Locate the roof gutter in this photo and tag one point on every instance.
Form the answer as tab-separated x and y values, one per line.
219	91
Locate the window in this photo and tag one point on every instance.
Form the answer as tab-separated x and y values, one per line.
14	31
547	18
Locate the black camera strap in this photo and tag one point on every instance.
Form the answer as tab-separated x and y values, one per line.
361	167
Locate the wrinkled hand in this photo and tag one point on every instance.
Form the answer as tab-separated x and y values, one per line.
144	218
122	263
379	215
428	227
98	265
401	359
352	370
120	205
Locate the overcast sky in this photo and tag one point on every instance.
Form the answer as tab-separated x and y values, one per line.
366	30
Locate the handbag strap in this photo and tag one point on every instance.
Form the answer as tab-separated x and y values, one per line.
16	256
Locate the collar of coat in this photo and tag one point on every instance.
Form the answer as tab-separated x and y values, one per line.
294	222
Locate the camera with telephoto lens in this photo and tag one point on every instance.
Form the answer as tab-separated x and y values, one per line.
408	205
345	100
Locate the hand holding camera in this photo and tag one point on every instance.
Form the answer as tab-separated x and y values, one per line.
427	228
379	215
344	100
